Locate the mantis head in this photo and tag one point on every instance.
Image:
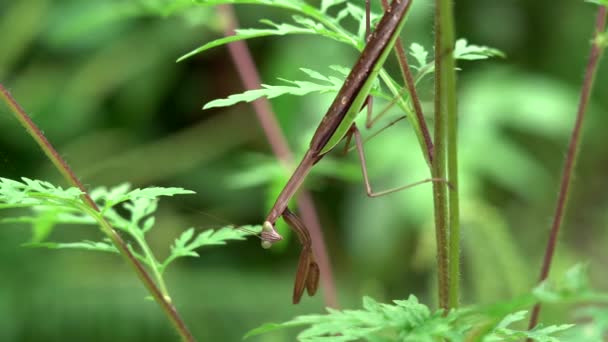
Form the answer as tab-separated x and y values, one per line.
269	235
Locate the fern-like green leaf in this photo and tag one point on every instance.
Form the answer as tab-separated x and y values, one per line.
306	26
83	245
420	55
572	287
34	192
502	332
298	88
185	245
405	320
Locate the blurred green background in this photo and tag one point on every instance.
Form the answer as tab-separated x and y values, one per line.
100	78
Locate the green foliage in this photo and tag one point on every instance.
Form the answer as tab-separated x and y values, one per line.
409	320
573	287
298	88
598	2
471	52
463	51
405	320
184	245
53	205
502	332
315	21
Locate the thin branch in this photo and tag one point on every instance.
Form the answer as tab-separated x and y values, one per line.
570	161
411	87
70	176
251	80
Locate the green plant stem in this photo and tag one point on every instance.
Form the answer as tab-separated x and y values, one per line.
448	99
597	48
442	50
164	302
153	263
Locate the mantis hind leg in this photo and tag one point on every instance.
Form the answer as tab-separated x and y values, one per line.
368	187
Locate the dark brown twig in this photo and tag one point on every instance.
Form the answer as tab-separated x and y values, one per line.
570	161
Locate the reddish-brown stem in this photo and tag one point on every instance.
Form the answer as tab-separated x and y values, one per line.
570	161
247	70
120	244
411	87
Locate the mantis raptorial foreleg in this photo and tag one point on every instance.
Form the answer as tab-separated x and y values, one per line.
307	275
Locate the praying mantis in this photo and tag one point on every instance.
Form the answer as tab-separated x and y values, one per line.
337	123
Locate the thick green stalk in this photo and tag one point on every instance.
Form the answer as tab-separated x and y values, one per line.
106	228
448	99
439	159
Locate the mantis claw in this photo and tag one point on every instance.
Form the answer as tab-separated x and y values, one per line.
269	235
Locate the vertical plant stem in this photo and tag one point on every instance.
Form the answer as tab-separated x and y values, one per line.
152	262
448	99
61	165
247	70
599	43
442	50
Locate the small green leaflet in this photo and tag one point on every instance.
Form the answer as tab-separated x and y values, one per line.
462	51
572	287
33	192
307	26
185	245
541	334
470	52
298	88
420	55
310	21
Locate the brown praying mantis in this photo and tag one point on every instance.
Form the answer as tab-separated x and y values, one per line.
337	123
